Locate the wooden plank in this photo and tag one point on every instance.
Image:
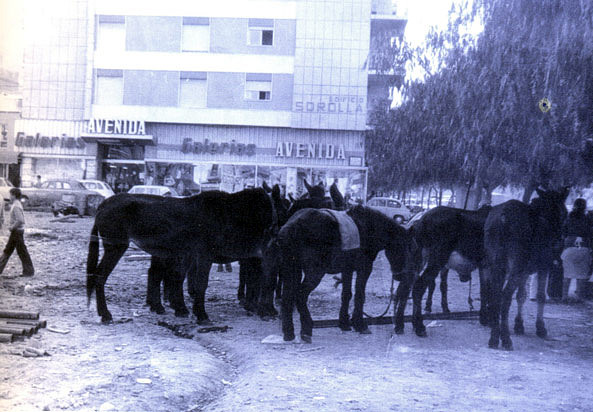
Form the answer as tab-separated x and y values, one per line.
388	320
13	314
6	338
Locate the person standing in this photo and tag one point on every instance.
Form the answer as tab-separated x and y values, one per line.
16	226
37	183
576	257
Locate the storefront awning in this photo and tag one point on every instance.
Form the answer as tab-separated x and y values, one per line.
118	139
8	157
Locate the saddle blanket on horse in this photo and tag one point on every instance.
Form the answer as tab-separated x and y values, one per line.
576	262
350	238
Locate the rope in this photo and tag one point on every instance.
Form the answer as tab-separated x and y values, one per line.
470	301
391	299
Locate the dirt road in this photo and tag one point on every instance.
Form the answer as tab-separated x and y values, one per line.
137	365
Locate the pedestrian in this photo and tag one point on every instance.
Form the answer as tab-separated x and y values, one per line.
37	182
16	226
576	257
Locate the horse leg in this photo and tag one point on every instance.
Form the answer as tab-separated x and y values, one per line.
513	283
174	283
254	281
242	282
483	298
201	284
278	293
428	275
401	299
540	327
362	276
292	275
307	286
153	292
521	298
344	321
495	285
270	271
431	288
112	255
444	290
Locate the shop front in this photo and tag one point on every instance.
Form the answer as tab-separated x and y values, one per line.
202	157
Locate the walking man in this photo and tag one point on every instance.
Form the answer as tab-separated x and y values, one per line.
16	226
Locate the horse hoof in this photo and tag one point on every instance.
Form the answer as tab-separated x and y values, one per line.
428	309
365	332
493	344
399	330
306	338
204	322
446	310
508	346
542	333
106	321
519	328
181	313
421	333
345	328
289	337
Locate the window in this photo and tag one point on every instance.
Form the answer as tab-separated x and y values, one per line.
109	87
381	202
111	33
193	89
393	203
196	34
258	86
90	185
66	185
261	32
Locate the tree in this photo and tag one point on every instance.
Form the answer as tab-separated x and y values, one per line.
476	118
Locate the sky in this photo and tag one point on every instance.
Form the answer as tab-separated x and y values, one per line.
422	14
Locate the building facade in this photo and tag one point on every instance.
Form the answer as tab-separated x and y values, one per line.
201	95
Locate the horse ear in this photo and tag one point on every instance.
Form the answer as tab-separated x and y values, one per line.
307	186
336	196
291	198
267	188
540	192
275	193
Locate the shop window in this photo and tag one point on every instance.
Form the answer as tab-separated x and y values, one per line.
258	86
111	33
109	88
195	36
193	89
261	32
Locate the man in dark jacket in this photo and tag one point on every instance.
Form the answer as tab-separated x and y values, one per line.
16	226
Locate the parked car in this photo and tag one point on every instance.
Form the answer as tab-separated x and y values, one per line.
62	194
5	187
98	186
154	190
390	207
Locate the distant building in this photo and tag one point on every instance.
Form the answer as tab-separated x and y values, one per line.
212	94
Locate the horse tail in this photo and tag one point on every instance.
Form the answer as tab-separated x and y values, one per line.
91	263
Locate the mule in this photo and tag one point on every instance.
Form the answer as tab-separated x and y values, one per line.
199	230
163	270
451	237
310	242
520	239
273	281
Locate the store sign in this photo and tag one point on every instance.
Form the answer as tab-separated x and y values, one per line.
208	147
335	104
49	141
310	150
117	126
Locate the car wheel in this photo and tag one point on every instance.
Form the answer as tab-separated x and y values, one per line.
398	219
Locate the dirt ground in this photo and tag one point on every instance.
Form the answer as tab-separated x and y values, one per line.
137	365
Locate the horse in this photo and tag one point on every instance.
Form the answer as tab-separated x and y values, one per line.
195	231
451	237
273	281
311	242
520	239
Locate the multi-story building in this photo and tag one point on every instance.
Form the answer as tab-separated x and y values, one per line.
222	94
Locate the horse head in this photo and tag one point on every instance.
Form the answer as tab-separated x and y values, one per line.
317	191
550	205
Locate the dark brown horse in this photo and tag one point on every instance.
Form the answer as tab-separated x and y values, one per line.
519	240
199	230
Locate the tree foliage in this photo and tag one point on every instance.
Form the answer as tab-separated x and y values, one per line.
475	117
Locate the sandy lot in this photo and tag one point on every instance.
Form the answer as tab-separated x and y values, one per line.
137	365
